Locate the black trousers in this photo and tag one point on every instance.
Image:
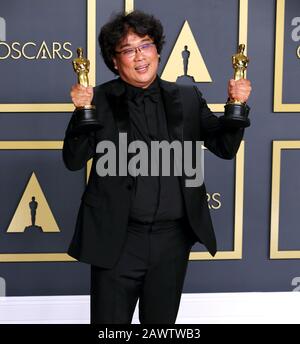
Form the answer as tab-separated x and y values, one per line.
151	268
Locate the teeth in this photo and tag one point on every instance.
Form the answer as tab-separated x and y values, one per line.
142	67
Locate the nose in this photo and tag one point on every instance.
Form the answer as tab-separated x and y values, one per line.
138	54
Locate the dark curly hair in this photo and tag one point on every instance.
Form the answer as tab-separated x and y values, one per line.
117	28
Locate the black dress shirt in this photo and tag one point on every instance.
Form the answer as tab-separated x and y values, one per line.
154	198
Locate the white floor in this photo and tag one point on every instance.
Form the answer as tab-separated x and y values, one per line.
211	308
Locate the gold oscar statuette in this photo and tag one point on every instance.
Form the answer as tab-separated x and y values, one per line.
85	119
236	112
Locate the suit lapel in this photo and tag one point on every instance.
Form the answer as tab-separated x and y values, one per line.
173	109
118	103
174	114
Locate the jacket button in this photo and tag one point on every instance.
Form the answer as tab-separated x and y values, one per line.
129	187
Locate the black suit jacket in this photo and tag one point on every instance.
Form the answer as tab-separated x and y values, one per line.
103	215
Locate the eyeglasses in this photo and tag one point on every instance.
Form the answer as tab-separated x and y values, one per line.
145	48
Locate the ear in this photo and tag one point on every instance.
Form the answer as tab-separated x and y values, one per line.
115	63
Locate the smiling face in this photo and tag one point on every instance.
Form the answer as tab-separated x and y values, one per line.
140	69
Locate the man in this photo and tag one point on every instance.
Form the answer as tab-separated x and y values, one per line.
137	231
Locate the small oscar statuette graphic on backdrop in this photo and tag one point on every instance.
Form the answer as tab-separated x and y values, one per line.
33	205
85	116
236	112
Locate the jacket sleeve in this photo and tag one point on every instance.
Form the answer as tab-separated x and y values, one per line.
223	142
77	150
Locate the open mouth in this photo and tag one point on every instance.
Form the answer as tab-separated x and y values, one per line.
142	69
